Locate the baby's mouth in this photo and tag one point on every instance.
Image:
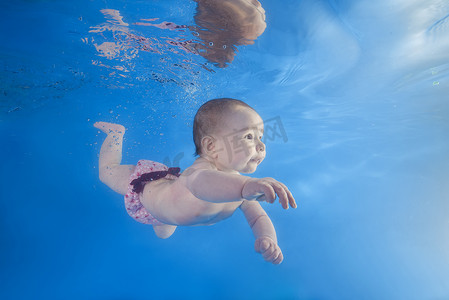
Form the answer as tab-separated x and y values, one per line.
257	160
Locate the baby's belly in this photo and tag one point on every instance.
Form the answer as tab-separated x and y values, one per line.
186	209
206	213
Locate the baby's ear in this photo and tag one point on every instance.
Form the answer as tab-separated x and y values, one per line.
208	145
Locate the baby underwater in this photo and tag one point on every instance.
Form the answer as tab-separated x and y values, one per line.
212	188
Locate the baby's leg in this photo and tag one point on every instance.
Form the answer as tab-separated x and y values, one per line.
113	174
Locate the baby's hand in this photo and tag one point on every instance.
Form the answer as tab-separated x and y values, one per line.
265	189
269	250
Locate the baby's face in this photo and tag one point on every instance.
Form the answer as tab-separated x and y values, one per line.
239	144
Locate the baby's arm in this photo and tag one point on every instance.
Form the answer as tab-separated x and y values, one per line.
263	230
216	186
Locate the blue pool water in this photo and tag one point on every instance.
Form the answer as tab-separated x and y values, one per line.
360	88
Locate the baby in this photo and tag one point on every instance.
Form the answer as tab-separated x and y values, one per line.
227	135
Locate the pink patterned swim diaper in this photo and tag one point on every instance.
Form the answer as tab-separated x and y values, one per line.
145	171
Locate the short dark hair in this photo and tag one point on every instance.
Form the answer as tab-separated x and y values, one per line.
209	116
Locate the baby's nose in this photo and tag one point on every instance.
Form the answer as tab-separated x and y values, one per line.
260	147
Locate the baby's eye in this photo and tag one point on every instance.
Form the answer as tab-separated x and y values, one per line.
249	136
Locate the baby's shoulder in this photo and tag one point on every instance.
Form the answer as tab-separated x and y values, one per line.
204	164
199	164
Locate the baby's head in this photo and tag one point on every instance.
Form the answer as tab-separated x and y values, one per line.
228	132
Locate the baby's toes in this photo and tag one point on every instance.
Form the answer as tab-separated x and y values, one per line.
103	126
110	128
99	125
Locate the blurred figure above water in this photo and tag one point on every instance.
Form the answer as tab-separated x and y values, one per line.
220	26
224	24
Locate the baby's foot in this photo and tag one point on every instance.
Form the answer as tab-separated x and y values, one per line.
110	128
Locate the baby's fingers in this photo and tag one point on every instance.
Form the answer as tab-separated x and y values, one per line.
273	255
262	245
282	194
290	198
269	193
278	259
